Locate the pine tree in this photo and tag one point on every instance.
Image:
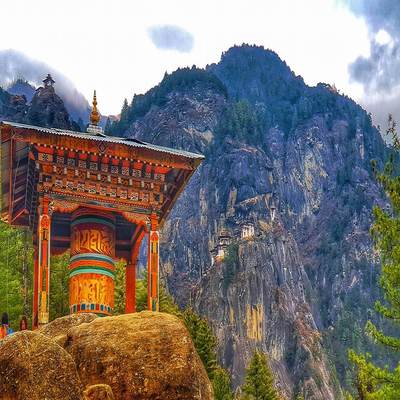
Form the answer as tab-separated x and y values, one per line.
203	339
371	381
259	381
221	382
125	110
59	274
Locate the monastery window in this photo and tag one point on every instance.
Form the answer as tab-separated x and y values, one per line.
60	160
58	183
114	169
113	192
71	162
93	166
70	185
104	167
80	187
247	231
123	194
103	190
147	175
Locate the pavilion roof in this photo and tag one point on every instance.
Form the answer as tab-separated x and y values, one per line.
109	139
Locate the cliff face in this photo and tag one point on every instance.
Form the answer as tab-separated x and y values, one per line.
292	164
45	109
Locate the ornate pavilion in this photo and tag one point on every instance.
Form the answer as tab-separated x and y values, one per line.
92	194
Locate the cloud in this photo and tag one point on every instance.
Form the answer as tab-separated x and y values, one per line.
379	72
171	37
14	64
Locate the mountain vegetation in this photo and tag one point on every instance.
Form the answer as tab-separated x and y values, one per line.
294	162
373	381
259	381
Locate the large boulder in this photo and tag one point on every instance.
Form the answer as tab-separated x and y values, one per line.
58	328
34	367
141	356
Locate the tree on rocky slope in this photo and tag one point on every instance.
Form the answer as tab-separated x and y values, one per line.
372	381
259	381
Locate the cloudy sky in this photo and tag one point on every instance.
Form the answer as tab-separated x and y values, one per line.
122	47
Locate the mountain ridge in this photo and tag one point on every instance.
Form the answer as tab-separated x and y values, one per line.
294	162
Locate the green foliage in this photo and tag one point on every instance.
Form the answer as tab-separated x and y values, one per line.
119	288
259	381
221	382
372	381
203	339
231	262
240	121
59	297
167	303
15	280
181	79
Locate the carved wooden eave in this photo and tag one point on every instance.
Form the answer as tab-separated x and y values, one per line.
131	178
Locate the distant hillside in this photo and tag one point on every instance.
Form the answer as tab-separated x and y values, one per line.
16	67
294	163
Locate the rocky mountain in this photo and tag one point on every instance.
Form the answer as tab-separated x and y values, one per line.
16	68
45	108
22	88
270	240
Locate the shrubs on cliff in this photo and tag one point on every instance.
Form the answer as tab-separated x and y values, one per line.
372	381
181	79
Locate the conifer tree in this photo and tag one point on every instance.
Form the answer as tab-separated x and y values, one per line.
203	339
259	381
371	381
124	111
221	382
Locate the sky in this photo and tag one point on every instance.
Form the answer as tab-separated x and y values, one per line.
123	47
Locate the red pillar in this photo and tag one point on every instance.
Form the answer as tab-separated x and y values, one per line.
44	263
35	289
130	275
153	266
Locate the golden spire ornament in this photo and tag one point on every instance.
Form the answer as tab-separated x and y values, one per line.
95	115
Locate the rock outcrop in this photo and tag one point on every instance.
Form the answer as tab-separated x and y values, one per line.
58	328
34	367
47	109
140	356
135	356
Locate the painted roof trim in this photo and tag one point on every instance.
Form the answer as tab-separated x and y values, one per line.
110	139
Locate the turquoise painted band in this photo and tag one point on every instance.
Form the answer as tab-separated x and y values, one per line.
91	270
92	256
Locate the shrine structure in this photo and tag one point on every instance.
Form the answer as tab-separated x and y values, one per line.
92	194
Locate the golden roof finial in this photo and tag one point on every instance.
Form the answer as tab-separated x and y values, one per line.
95	115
